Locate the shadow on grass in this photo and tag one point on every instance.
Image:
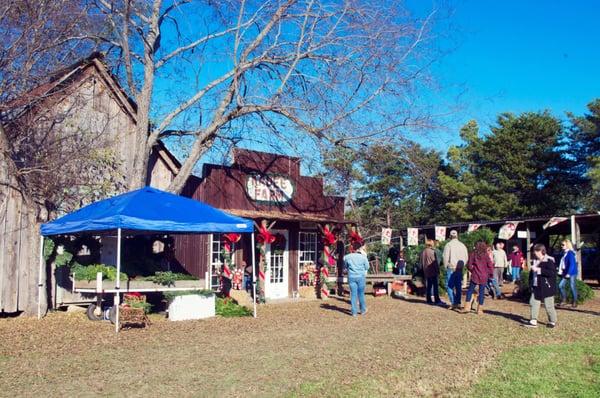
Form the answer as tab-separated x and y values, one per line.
332	307
507	315
596	313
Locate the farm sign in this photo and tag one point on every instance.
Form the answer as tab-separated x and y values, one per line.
269	188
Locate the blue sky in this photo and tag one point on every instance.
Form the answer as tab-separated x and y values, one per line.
499	56
514	56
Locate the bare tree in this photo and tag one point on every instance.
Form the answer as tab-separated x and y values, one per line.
314	72
51	156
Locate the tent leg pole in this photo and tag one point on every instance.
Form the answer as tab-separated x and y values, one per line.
118	284
253	251
40	284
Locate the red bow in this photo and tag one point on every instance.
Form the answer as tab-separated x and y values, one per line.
328	236
264	236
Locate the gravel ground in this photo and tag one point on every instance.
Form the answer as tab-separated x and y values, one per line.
400	348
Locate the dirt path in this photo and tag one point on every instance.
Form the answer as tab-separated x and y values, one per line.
400	348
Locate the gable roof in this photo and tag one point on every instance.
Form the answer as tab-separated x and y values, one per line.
63	78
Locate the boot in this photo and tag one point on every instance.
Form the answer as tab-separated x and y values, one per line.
479	309
468	305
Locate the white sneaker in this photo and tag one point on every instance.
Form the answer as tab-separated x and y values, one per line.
531	324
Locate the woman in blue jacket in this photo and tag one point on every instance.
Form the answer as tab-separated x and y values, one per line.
568	272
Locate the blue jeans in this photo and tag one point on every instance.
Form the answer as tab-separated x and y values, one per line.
494	288
357	293
453	286
516	274
563	291
432	288
247	283
481	295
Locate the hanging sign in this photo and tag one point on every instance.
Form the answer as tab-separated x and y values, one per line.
386	236
440	233
473	227
413	236
508	230
553	221
269	188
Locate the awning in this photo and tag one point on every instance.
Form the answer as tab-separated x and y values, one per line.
148	209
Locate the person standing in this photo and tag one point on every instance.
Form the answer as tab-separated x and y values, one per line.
357	265
516	260
400	266
492	283
568	272
482	269
455	258
542	281
431	271
500	263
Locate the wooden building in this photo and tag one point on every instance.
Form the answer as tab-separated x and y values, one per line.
84	98
262	186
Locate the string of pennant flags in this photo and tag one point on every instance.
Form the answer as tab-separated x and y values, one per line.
506	232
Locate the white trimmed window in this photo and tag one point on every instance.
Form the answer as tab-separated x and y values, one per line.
216	259
307	250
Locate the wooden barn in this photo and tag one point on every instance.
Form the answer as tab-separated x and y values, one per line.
263	186
81	99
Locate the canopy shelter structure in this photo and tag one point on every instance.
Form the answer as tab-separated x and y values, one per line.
146	210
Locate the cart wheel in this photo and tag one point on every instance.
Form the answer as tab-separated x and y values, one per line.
94	313
112	314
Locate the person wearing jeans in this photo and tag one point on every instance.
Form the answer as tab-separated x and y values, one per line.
481	267
542	281
516	259
357	265
431	271
568	273
455	257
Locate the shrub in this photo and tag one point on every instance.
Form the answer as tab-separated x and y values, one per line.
227	307
584	292
202	292
88	272
168	278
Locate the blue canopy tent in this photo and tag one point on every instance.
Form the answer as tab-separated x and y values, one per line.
148	210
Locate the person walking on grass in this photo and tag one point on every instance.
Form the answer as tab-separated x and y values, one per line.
516	260
568	272
455	258
431	271
357	266
492	283
500	262
482	269
542	282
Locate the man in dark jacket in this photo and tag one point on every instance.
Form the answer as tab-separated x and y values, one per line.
431	271
542	281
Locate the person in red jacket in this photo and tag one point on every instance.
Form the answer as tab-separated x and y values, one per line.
481	267
516	260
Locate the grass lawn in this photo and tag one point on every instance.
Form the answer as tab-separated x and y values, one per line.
400	348
565	370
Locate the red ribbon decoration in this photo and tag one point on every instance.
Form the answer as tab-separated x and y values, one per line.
264	236
354	238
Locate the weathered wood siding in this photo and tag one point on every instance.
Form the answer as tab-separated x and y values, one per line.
19	265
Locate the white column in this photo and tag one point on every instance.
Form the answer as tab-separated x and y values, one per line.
40	282
118	283
253	251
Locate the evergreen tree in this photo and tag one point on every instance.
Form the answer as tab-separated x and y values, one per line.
585	141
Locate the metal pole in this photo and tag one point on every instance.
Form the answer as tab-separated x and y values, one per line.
253	251
528	248
40	284
118	284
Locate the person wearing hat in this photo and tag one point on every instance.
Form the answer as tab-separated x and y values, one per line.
455	258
